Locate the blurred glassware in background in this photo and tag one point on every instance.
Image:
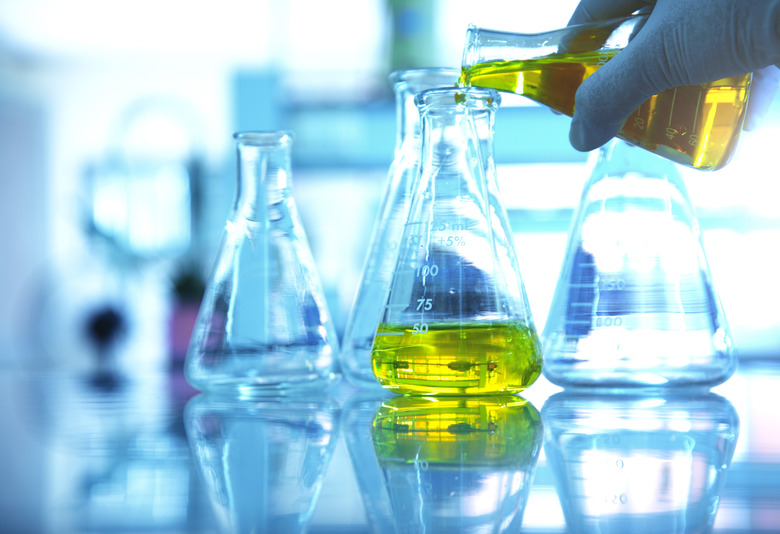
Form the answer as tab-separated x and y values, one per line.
357	416
695	125
457	464
366	311
456	317
263	326
639	464
635	304
262	461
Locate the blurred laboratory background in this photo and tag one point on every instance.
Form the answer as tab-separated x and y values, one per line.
117	166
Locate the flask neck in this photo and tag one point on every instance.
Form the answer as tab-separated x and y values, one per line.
457	125
264	163
408	83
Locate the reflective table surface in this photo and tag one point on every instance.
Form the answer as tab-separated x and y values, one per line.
106	453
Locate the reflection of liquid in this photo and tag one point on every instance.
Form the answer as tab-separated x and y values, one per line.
456	359
262	462
457	464
639	464
695	125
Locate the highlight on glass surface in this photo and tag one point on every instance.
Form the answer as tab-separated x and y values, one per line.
456	318
263	325
697	126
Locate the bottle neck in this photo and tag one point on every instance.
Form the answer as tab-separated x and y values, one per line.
264	163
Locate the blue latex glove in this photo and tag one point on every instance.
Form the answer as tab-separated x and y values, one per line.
684	42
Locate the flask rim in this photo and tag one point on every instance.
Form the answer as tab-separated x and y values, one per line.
266	138
420	75
473	98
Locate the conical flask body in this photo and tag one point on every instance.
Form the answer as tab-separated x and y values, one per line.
456	318
365	314
635	304
263	325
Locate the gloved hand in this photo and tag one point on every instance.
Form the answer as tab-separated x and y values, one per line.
684	42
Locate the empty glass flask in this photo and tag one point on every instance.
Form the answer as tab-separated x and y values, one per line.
456	318
263	325
355	355
696	125
635	304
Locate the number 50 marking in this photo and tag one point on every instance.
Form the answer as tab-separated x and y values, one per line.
420	328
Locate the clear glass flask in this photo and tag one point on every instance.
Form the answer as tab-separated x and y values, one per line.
634	303
355	354
697	125
637	463
263	325
457	464
456	318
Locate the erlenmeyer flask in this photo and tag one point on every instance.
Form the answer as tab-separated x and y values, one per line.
263	325
456	317
355	355
635	304
457	464
696	125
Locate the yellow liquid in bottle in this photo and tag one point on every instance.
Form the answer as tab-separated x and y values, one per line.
456	359
696	125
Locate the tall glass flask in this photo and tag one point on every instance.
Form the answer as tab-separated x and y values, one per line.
456	318
634	304
263	325
697	125
355	355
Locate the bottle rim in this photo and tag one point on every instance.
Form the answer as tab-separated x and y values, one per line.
426	77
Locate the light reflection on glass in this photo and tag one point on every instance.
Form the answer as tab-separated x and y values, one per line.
639	464
462	464
262	461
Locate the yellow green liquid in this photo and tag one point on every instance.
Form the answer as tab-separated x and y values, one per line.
456	359
496	430
695	125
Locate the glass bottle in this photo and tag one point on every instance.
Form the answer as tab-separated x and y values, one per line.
355	355
635	304
456	318
263	325
457	464
639	463
696	125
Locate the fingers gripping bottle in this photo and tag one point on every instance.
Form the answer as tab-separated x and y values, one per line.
696	125
263	326
456	318
635	305
355	354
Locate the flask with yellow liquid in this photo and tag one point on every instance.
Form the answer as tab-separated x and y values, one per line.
697	126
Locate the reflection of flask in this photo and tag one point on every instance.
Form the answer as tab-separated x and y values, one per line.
263	324
639	464
634	304
263	462
355	355
356	417
456	318
457	464
695	125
